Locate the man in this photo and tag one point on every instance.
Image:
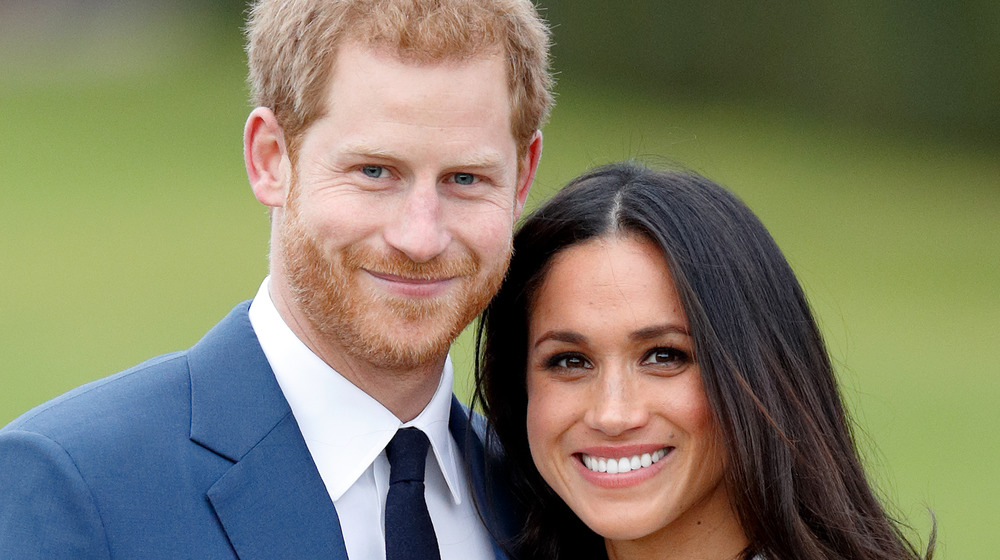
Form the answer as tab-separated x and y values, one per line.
394	143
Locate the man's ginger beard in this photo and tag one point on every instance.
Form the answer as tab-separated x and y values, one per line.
384	330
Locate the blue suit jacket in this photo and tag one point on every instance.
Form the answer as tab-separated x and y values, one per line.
193	454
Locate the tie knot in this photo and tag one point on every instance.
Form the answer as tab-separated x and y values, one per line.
407	454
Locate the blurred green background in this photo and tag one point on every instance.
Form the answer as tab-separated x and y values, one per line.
864	134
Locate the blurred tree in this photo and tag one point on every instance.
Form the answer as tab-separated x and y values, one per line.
931	65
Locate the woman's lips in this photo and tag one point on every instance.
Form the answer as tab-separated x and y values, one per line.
622	462
622	468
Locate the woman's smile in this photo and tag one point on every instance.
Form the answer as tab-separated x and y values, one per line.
624	463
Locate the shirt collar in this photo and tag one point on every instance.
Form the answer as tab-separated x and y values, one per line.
344	428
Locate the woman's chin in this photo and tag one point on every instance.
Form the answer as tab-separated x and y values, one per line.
619	526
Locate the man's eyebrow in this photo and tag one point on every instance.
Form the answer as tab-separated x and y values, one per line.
561	336
478	160
367	150
484	160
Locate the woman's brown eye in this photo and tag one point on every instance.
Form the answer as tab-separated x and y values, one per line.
666	356
575	361
568	361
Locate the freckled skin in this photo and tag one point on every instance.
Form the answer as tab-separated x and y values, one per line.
611	363
392	229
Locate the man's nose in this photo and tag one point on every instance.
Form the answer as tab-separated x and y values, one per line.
418	226
616	405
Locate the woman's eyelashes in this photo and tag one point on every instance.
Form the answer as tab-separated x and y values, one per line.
568	361
665	358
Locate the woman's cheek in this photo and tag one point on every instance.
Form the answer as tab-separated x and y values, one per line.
547	419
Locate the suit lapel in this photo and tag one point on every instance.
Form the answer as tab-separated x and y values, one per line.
272	502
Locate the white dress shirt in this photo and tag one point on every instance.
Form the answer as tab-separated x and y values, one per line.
346	431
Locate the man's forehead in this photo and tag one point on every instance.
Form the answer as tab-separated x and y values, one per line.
380	71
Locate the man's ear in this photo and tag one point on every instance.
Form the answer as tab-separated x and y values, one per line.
266	157
529	164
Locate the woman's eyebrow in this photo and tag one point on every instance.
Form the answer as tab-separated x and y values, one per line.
569	337
657	331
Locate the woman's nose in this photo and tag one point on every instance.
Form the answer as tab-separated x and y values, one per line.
616	405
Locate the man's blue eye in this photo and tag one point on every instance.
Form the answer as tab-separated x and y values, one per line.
373	171
465	178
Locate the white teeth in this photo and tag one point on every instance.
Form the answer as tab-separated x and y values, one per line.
622	464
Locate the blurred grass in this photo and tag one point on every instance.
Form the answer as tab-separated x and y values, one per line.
128	230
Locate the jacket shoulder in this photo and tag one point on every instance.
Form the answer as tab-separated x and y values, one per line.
118	399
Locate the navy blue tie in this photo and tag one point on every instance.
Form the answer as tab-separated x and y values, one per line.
409	533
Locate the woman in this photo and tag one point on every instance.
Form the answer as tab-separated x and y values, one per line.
654	374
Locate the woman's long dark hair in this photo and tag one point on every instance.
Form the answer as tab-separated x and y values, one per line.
798	487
